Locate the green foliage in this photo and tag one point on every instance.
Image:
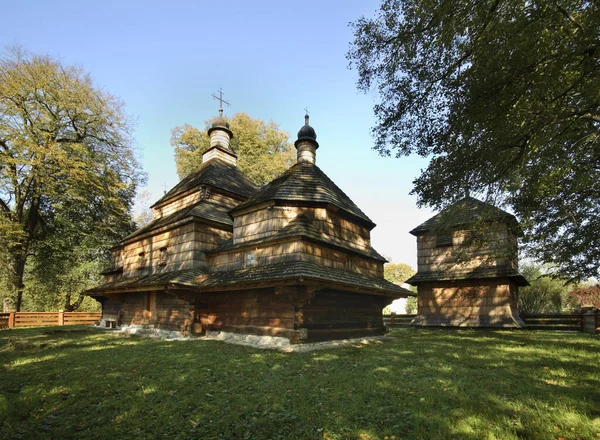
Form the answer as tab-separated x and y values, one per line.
62	382
68	172
398	273
504	98
264	151
544	294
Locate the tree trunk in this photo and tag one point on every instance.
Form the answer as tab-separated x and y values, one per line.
72	307
17	282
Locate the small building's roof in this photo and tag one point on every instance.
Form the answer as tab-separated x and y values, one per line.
217	173
305	182
294	272
302	227
205	210
473	274
464	212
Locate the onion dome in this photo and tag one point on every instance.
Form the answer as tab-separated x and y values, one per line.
307	133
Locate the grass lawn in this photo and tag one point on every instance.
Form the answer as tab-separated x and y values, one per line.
77	382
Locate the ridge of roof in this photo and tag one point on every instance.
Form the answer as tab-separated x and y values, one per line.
465	211
216	172
305	182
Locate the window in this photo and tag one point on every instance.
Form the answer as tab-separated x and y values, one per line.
443	240
349	264
141	260
162	256
250	259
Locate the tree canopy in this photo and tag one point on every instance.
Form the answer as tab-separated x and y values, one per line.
264	152
398	273
544	293
68	171
503	97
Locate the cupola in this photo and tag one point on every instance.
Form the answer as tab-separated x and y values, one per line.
220	138
307	144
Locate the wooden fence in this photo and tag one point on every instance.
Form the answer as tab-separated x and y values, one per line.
547	321
39	319
394	320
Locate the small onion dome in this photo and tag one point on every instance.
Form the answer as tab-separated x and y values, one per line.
220	123
307	133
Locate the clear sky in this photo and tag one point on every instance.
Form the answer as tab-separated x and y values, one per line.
272	59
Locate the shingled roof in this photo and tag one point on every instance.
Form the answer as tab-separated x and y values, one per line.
301	226
217	173
465	211
203	210
299	271
305	182
473	274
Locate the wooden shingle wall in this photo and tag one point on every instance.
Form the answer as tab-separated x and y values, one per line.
192	198
178	248
492	249
295	250
267	222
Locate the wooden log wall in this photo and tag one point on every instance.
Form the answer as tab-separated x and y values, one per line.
258	311
493	249
340	315
294	250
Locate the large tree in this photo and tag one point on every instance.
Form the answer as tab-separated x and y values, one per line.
67	167
264	152
503	97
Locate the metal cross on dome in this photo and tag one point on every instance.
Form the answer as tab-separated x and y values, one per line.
221	100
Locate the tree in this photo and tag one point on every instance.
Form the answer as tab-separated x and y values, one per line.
544	294
264	151
398	273
68	171
503	97
587	295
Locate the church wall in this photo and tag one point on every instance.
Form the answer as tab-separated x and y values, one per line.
496	247
203	193
480	302
266	254
157	308
267	222
335	314
178	248
256	311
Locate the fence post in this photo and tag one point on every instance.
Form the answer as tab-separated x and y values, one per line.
61	317
588	320
393	319
11	319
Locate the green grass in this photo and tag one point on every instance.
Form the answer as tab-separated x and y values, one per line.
76	382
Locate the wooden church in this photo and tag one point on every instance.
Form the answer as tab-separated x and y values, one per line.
467	267
292	259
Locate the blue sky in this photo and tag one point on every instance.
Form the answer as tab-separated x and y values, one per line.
272	59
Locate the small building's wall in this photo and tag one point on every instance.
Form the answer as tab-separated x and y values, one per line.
294	250
469	303
267	222
493	248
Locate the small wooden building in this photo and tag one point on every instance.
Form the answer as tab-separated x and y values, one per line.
292	259
467	267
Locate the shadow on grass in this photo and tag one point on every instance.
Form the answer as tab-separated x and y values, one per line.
419	384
